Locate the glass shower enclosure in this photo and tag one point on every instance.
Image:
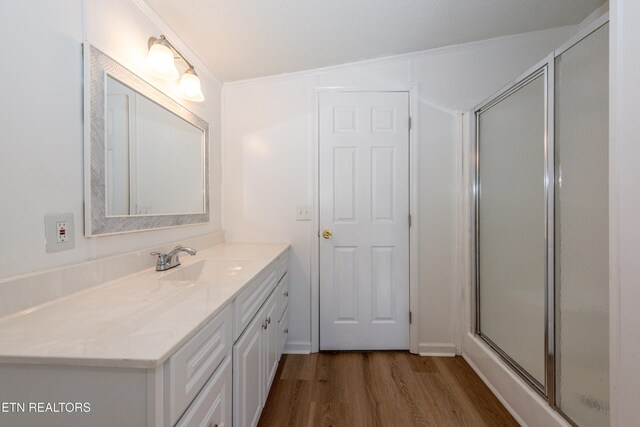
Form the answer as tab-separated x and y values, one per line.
541	226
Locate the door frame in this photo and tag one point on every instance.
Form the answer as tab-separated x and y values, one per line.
413	91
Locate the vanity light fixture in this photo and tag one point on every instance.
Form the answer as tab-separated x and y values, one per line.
161	59
190	86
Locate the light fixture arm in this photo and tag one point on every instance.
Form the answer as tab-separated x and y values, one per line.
177	53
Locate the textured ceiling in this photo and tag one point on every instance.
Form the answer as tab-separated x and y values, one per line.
240	39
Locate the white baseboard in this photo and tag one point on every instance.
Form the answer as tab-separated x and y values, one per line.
424	349
495	392
297	347
437	349
526	406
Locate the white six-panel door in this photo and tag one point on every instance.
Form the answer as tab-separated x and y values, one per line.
364	220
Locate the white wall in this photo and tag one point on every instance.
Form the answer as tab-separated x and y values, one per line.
41	139
268	161
624	213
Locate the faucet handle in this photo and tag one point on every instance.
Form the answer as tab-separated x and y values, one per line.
162	258
161	262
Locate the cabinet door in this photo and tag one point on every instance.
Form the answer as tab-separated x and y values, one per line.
271	338
248	374
284	331
212	407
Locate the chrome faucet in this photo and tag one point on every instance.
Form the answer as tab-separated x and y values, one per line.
170	260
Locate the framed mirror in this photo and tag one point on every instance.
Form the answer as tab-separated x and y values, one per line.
146	156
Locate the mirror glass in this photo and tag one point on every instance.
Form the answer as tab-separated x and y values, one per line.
154	158
146	156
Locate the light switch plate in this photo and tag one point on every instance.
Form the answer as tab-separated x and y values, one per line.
59	231
303	213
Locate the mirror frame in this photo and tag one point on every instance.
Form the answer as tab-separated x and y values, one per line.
97	66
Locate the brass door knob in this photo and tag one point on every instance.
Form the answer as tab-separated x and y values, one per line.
327	234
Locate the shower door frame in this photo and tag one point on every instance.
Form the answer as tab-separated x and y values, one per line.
548	391
545	69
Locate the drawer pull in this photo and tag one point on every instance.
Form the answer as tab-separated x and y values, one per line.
269	319
286	294
286	331
265	325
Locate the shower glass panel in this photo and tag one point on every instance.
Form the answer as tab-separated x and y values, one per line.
581	230
511	226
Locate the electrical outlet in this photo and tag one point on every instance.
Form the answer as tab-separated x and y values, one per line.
303	213
59	231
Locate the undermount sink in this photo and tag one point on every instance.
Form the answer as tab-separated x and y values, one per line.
208	269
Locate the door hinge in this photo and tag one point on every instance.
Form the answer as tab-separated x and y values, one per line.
409	220
410	318
409	122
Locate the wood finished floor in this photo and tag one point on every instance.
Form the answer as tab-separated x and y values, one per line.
388	388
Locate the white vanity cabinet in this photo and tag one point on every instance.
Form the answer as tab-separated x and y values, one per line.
260	317
193	387
256	354
215	374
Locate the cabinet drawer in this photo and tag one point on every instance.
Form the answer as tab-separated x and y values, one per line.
250	300
283	263
212	407
283	295
192	365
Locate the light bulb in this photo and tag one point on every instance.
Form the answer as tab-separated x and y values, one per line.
161	61
190	86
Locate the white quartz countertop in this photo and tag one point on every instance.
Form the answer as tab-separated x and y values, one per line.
138	321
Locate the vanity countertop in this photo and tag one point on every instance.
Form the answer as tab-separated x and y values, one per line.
138	321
